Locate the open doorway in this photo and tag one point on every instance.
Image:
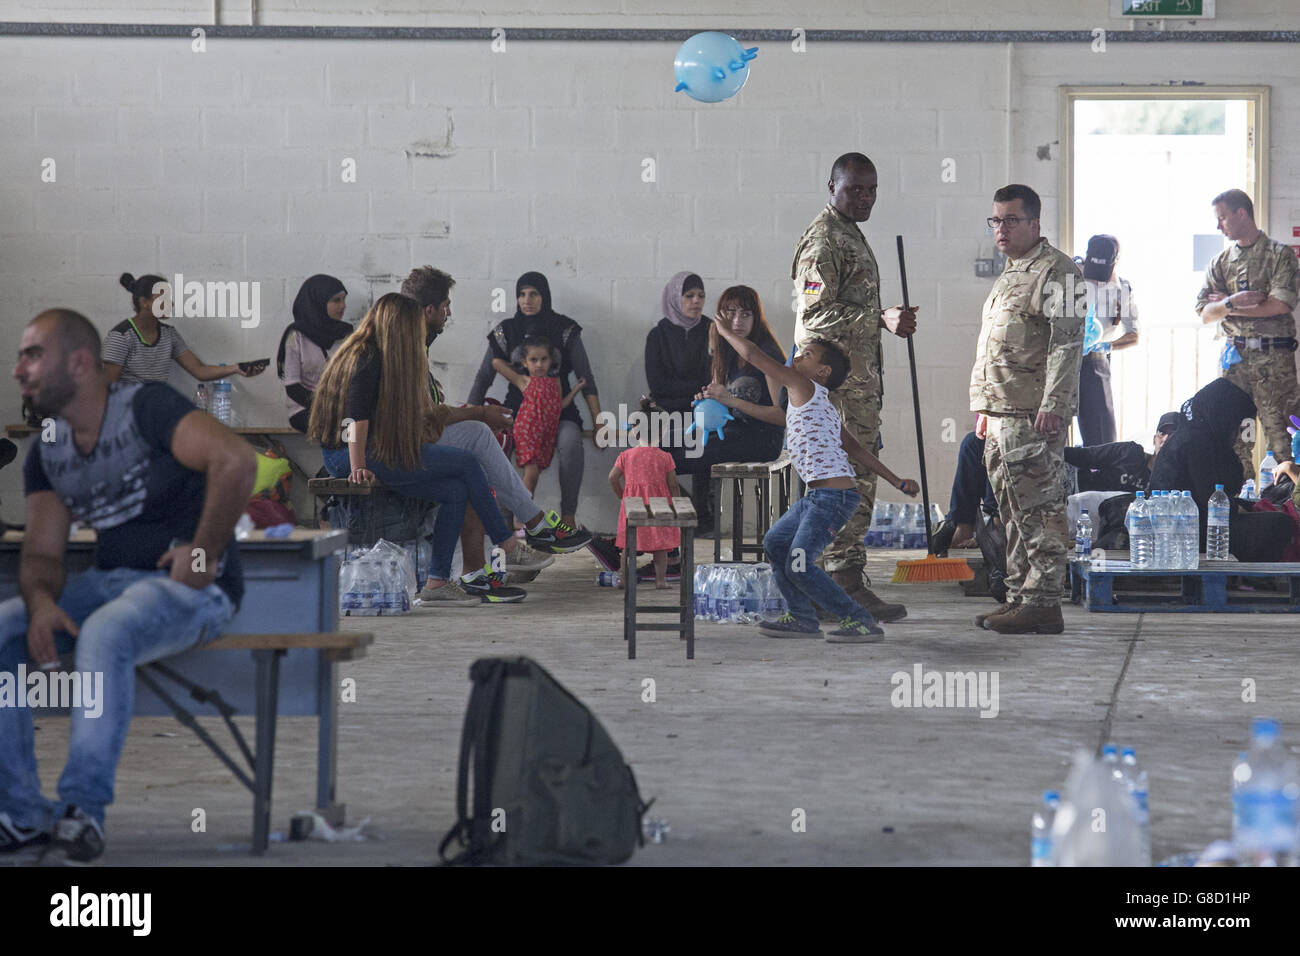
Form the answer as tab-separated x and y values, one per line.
1142	164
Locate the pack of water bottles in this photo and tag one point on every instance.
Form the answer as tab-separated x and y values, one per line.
378	581
1164	531
900	525
1063	829
737	594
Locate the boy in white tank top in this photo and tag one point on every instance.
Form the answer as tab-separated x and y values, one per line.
820	448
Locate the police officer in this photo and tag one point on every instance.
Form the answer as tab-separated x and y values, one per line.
1025	386
837	297
1250	288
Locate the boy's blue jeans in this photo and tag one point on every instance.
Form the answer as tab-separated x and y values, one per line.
125	617
796	541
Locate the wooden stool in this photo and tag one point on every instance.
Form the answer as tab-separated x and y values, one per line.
772	485
660	513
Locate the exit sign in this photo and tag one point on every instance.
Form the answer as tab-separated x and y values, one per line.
1159	9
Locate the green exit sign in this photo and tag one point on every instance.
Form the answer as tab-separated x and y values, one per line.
1156	9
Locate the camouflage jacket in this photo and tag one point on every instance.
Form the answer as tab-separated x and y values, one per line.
1031	337
1263	266
837	295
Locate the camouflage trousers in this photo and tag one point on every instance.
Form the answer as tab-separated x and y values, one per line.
861	413
1025	470
1269	379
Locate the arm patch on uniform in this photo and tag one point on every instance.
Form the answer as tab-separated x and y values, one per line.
812	287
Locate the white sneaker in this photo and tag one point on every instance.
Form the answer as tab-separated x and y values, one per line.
450	594
524	558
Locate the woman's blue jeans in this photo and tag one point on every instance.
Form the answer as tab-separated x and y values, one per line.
796	541
448	476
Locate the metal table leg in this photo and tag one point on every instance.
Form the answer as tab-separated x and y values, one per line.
268	693
717	519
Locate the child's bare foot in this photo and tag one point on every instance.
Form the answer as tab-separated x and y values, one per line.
963	536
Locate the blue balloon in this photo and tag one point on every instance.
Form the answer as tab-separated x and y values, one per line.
712	66
710	415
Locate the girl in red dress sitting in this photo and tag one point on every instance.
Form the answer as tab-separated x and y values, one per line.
538	421
646	471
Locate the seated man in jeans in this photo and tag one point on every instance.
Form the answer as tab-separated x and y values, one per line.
162	484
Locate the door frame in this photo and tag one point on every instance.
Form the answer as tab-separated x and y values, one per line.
1257	114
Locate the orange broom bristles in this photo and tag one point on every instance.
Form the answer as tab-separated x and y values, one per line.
930	569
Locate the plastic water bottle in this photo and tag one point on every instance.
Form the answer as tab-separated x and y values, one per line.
729	596
1083	536
221	402
1266	469
886	524
917	526
1136	780
872	540
1264	800
1248	490
609	579
1040	832
201	397
701	592
1189	525
1160	528
1216	525
244	527
774	605
1110	757
1141	538
751	602
366	583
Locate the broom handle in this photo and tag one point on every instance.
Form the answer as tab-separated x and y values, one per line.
916	397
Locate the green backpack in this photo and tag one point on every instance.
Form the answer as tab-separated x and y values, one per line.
549	786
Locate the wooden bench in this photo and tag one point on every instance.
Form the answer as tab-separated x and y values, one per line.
278	657
660	513
773	485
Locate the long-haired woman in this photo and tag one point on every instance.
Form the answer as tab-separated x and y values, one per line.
375	418
758	431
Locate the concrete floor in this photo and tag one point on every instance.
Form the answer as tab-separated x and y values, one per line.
749	731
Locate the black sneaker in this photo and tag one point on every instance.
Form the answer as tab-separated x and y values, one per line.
78	840
492	588
853	631
608	555
18	842
553	536
787	625
647	574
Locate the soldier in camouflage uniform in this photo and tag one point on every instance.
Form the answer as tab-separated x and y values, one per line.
837	298
1250	289
1025	386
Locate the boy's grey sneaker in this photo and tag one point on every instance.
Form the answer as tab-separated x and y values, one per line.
524	558
20	844
78	840
853	631
553	536
787	625
450	594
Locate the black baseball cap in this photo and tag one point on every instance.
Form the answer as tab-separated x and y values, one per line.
1169	420
1099	261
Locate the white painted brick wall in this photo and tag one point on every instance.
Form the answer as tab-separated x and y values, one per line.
226	165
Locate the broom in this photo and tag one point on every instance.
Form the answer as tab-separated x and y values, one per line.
931	567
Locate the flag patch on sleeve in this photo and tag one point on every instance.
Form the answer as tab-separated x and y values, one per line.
812	287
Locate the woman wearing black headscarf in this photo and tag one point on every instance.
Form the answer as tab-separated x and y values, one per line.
308	342
534	317
1200	454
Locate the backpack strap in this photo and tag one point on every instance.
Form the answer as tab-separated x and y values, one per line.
487	675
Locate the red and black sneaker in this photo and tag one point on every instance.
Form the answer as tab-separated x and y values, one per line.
555	537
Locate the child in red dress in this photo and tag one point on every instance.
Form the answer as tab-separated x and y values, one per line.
646	471
538	420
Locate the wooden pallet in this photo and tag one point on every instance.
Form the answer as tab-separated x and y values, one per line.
1203	591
